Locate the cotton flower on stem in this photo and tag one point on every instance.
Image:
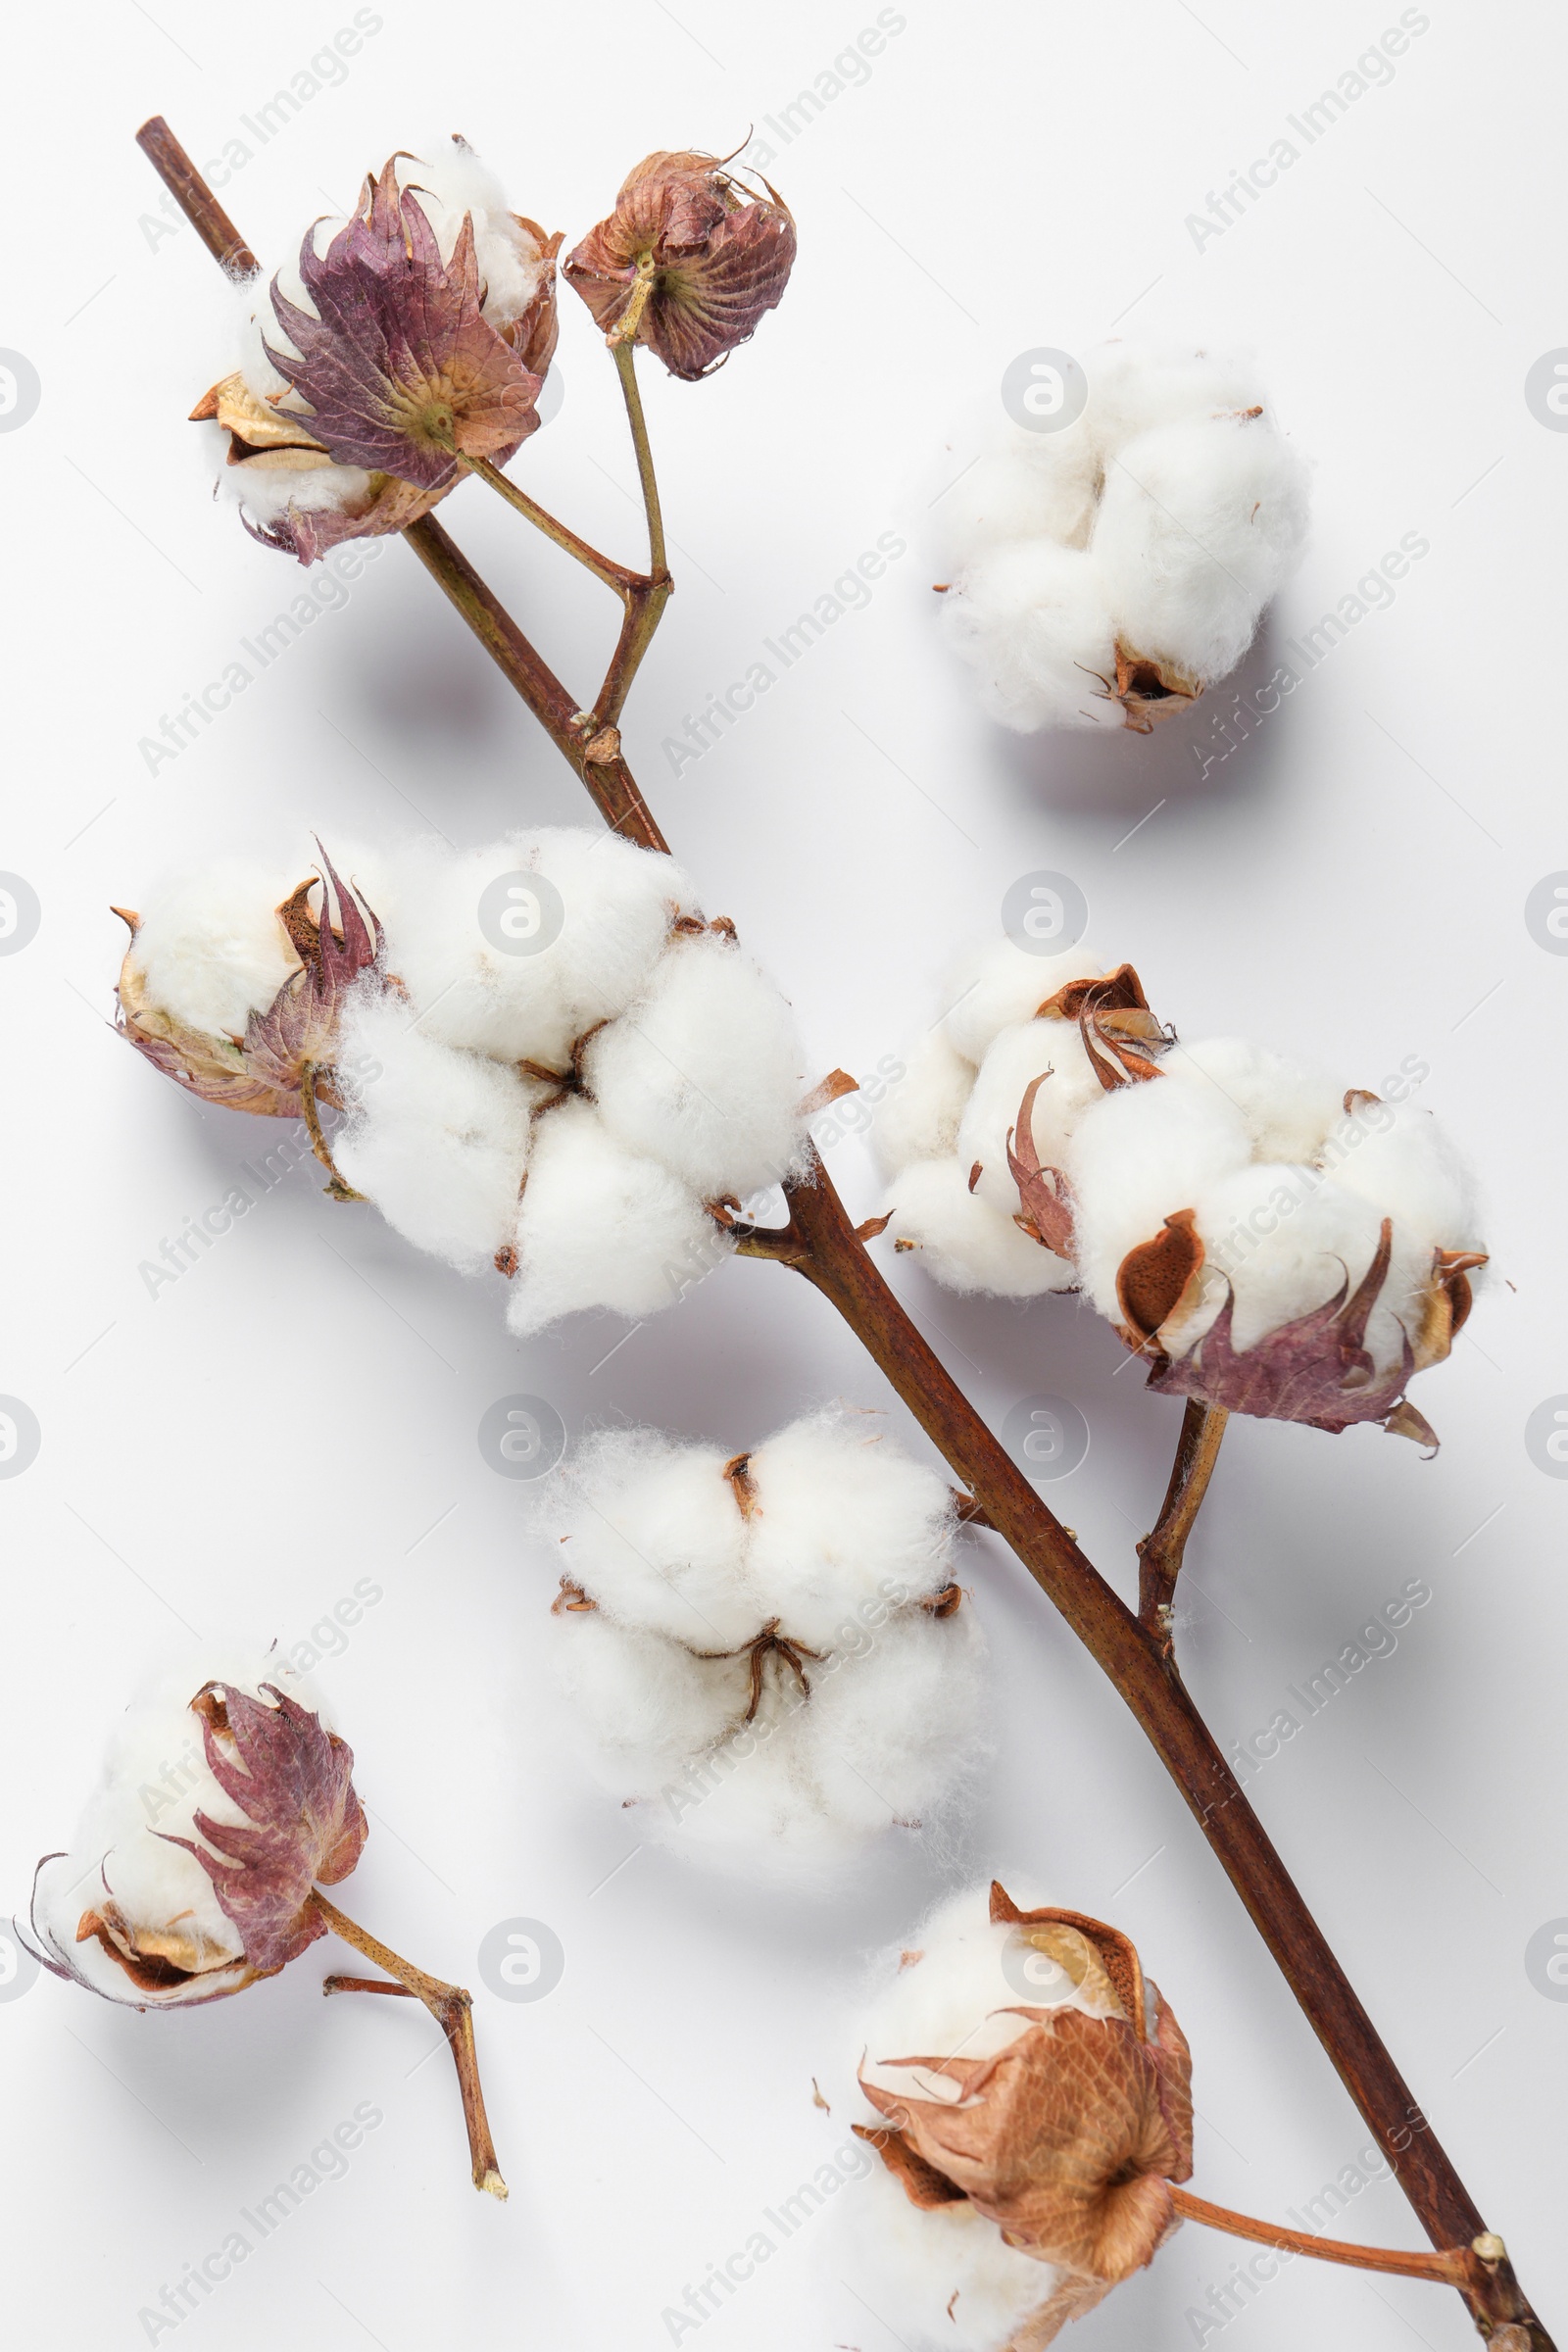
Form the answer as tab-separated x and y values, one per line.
821	1242
151	1918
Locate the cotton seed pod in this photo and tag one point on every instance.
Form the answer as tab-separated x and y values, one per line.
686	264
419	327
1033	2108
1108	573
769	1652
222	1802
1270	1241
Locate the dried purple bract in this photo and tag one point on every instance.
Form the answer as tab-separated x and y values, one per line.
401	369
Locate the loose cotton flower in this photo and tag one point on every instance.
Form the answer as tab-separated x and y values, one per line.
686	264
582	1103
222	1802
1032	2104
768	1655
419	327
1106	573
1269	1239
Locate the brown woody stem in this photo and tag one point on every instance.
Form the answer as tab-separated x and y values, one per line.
450	2005
1463	2267
821	1242
195	198
645	608
1161	1554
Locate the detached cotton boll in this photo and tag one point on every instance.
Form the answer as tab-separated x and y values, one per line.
769	1653
1035	2164
1104	573
437	1138
704	1071
963	1240
462	937
1197	529
1033	621
919	1117
600	1227
223	1801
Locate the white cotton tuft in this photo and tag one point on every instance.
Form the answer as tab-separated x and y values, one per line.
210	949
1396	1155
599	1226
449	180
994	986
267	492
601	909
1033	621
1148	1151
704	1071
919	1117
1200	526
1155	525
437	1138
745	1648
965	1242
1290	1109
155	1779
1284	1240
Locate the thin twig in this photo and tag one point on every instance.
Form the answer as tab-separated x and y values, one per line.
451	2006
1456	2265
1160	1553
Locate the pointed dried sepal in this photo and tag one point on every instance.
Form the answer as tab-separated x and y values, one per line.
1043	1192
1069	2138
294	1782
298	1032
399	368
1149	690
686	264
1315	1370
1113	1020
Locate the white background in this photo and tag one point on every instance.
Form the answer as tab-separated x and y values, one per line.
300	1409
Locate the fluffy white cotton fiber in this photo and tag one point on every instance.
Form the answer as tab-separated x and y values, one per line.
438	1140
745	1644
556	1066
1155	526
1279	1178
154	1780
210	949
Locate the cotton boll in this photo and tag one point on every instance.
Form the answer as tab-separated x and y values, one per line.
843	1520
1144	1152
704	1071
1034	622
616	903
652	1531
209	949
964	1241
1014	1058
1199	525
1288	1108
997	985
919	1117
153	1781
437	1138
599	1227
